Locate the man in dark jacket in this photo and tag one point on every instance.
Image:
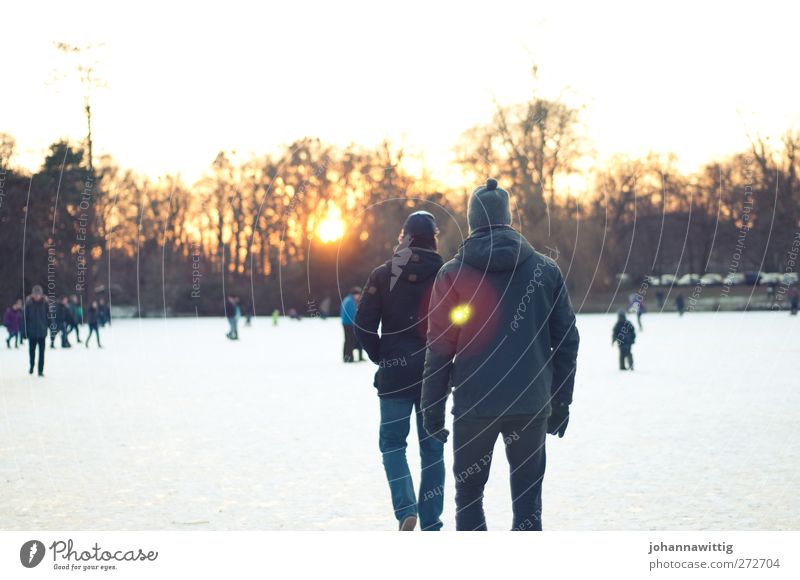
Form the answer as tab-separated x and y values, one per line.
103	312
502	336
680	304
624	335
396	297
34	327
64	323
94	323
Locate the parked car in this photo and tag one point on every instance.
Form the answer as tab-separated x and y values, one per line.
789	278
770	278
734	279
711	280
752	278
651	281
623	279
688	280
667	279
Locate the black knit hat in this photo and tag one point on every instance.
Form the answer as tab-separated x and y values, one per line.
420	224
488	206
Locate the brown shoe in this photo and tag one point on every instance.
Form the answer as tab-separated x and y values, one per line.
408	524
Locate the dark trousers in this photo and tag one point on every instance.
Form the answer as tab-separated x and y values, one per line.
15	336
32	344
625	355
473	445
64	330
93	328
351	343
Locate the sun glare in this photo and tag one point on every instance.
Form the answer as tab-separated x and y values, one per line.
331	228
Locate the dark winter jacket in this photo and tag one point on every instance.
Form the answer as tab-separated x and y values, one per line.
64	315
396	297
34	320
230	309
93	316
12	320
501	331
624	334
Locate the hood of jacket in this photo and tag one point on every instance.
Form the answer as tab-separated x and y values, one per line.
495	249
414	264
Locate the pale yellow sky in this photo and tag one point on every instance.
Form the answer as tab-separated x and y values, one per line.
187	80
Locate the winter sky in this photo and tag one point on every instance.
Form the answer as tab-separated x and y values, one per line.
185	80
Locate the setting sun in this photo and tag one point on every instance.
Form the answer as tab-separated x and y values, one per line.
331	228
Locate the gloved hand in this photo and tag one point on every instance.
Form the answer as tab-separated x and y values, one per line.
435	428
558	420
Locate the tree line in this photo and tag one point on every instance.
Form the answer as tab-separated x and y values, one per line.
250	227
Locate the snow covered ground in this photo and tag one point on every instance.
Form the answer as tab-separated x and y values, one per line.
172	426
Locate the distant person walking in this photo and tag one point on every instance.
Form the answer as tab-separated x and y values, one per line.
103	312
12	320
64	323
624	335
232	316
94	323
771	293
34	327
637	306
661	299
76	311
325	307
348	316
680	304
502	338
396	300
794	301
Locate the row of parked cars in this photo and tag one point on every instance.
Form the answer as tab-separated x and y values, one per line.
736	279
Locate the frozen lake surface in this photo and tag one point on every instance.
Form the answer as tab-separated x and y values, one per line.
172	426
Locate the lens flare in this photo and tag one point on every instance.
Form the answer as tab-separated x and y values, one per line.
460	314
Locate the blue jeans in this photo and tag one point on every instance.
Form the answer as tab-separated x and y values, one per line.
395	426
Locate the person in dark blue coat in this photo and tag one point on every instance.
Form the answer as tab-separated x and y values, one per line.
94	323
348	316
64	322
35	326
624	335
104	312
502	338
680	304
396	298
